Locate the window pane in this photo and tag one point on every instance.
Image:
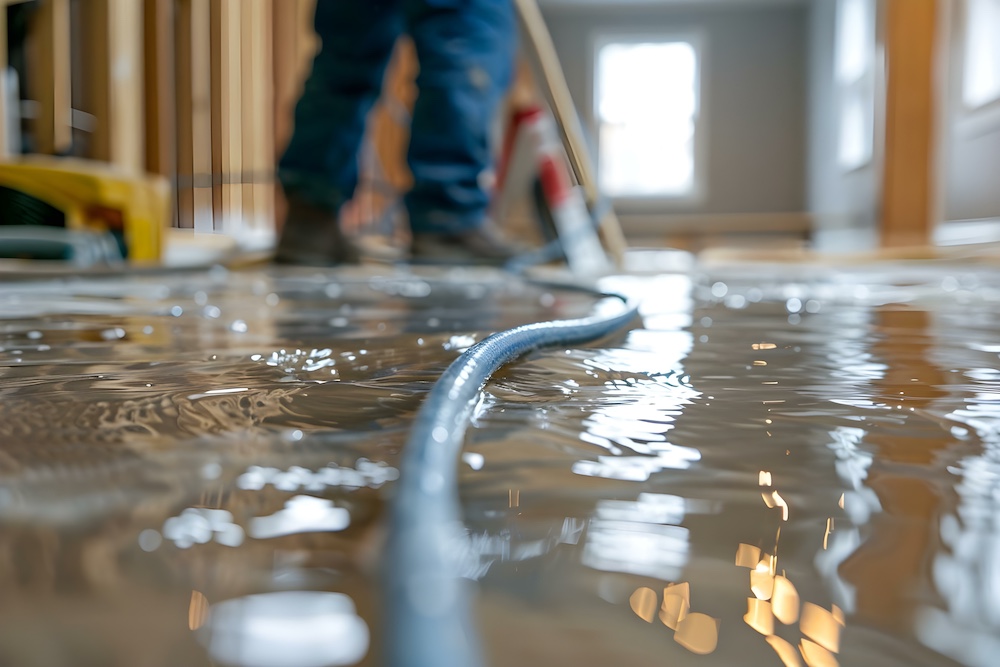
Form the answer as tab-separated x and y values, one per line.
856	129
982	53
855	76
855	39
647	106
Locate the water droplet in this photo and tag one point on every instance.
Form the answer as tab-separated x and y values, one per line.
211	471
113	334
150	540
238	326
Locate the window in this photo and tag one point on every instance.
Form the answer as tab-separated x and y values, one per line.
855	77
647	105
981	84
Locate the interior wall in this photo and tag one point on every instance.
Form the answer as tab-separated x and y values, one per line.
971	137
754	93
844	204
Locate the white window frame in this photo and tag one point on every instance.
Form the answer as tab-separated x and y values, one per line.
967	46
860	87
696	195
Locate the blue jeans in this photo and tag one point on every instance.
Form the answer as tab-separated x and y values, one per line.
466	51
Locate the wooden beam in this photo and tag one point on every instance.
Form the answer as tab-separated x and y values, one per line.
194	114
160	87
113	81
909	173
227	119
5	150
49	80
295	43
258	113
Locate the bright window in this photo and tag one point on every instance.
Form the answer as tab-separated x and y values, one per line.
647	112
855	76
981	84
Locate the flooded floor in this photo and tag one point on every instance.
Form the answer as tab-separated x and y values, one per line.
778	467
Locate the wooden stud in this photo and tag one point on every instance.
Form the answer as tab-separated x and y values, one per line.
159	87
49	82
5	150
113	81
909	190
295	43
194	115
227	145
258	120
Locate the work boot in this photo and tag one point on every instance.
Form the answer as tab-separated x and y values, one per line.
312	237
483	245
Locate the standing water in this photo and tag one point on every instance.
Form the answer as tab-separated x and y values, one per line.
778	467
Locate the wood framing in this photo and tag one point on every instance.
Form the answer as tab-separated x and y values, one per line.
159	87
258	113
910	167
49	82
194	114
227	117
113	81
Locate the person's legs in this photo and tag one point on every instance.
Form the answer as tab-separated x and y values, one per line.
466	53
319	169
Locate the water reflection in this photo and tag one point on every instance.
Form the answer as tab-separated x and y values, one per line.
965	571
302	514
695	631
285	629
641	537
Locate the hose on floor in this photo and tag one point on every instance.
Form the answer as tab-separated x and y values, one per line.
427	603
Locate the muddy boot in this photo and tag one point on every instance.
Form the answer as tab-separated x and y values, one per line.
312	237
484	245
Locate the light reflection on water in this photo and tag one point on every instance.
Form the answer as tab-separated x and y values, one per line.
779	468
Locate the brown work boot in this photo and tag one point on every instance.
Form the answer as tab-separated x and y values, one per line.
483	245
312	237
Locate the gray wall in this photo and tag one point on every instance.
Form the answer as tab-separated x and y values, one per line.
844	204
971	141
972	182
754	93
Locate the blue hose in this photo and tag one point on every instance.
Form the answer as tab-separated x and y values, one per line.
427	604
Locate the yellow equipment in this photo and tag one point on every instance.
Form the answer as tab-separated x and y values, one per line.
41	194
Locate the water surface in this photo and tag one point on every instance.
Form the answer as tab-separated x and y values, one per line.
778	467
